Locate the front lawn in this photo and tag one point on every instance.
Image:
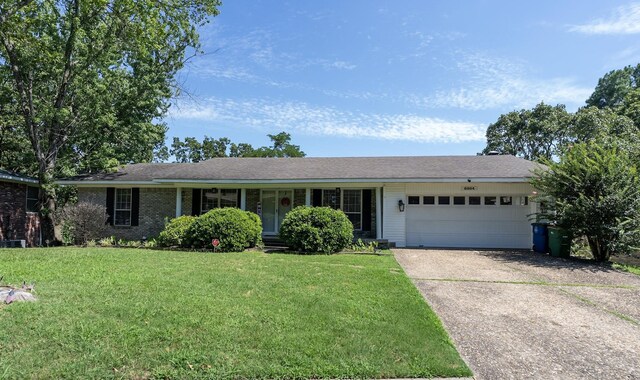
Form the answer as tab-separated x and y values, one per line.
126	313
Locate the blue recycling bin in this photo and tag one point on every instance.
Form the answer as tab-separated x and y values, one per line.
540	237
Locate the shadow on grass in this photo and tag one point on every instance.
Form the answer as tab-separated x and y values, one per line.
281	250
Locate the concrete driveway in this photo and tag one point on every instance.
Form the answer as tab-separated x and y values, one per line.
517	315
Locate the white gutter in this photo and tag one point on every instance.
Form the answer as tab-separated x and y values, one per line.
90	183
11	178
180	182
343	180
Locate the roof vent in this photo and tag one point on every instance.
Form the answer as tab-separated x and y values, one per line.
493	153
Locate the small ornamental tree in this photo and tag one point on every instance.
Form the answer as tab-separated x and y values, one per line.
82	222
316	229
594	191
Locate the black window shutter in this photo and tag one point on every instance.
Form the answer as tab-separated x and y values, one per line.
135	206
366	210
196	199
111	197
317	198
239	200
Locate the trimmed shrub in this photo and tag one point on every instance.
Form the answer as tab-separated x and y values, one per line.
316	230
257	231
234	228
82	222
175	231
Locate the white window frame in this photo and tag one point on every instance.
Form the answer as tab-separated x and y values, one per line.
340	205
414	204
444	196
517	200
452	200
218	198
116	209
322	201
352	213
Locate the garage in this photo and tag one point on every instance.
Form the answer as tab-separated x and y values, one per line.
476	221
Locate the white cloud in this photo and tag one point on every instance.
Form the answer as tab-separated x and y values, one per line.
301	117
341	65
490	83
248	57
625	20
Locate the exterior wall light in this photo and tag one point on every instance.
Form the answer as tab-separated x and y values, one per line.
401	205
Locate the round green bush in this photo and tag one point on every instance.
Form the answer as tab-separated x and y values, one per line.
257	231
175	231
316	230
234	228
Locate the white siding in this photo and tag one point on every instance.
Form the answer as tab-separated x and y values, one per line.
394	228
478	226
458	188
468	226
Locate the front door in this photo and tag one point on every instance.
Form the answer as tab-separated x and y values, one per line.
275	205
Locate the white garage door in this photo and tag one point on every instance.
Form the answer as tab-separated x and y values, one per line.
468	222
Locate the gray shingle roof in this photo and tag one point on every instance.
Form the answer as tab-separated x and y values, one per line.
15	177
308	169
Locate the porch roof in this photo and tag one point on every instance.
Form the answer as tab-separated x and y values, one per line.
8	176
500	168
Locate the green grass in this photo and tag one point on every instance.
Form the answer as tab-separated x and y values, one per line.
125	313
627	268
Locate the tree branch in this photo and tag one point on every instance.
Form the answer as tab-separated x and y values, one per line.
25	92
56	137
4	15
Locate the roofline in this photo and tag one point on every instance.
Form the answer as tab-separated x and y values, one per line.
12	178
292	181
89	183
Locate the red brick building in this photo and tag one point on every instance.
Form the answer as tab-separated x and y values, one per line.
19	218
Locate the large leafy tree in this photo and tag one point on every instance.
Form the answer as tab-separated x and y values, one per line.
15	154
281	147
594	191
619	90
614	86
545	131
192	150
631	106
607	127
531	134
88	79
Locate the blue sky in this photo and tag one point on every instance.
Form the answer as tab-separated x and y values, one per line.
379	78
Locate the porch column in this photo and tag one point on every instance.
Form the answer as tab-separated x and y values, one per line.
379	213
178	202
243	199
307	197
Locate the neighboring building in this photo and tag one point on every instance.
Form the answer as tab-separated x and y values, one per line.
19	219
451	201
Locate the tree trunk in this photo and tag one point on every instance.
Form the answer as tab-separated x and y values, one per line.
47	201
599	248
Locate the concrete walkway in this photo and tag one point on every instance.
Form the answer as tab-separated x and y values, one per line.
521	315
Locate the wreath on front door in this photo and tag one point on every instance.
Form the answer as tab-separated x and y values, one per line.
285	202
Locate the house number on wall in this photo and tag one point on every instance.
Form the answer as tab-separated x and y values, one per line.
469	188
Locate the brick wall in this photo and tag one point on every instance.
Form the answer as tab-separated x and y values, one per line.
158	204
155	206
15	222
187	201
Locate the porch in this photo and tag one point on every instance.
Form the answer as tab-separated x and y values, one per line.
361	205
